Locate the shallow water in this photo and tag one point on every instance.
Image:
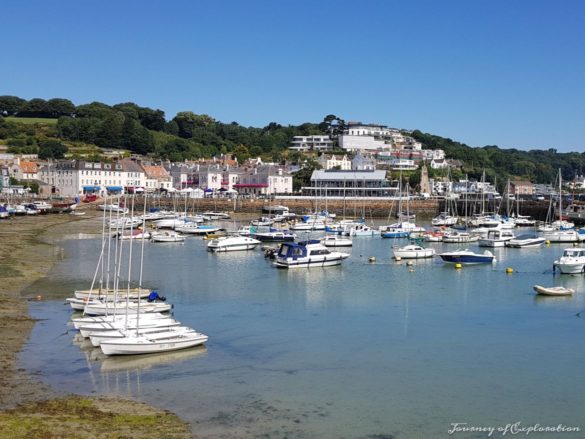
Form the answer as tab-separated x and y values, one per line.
358	351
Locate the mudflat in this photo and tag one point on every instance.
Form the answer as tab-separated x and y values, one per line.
29	408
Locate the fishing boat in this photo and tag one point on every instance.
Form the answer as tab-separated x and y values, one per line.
144	344
526	241
553	291
232	243
307	254
467	257
336	241
572	261
167	236
413	251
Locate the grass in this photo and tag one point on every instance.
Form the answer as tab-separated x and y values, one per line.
32	120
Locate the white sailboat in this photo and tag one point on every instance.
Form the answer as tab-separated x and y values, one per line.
141	340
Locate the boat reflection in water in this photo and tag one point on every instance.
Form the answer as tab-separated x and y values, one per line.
147	361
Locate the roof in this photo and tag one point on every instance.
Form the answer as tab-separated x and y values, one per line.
155	171
331	175
130	165
29	167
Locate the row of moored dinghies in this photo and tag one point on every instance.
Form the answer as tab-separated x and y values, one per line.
120	319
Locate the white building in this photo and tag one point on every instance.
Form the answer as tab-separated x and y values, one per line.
157	178
316	143
269	180
334	183
71	177
333	161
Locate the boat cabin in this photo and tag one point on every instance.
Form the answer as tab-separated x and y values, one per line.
574	253
302	249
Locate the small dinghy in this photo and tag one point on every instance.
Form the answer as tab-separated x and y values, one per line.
553	291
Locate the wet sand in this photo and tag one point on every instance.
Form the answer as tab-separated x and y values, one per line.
30	408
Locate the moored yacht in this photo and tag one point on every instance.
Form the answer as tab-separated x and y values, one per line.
232	243
572	261
307	254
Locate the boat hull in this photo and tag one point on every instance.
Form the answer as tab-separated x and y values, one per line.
144	345
311	262
553	291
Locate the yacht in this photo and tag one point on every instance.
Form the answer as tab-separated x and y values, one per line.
467	257
307	254
413	251
336	241
526	240
496	238
232	243
572	261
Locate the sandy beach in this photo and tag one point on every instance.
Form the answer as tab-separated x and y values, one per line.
31	409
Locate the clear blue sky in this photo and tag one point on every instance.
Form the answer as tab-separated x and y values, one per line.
507	72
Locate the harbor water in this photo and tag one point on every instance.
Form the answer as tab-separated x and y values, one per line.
362	350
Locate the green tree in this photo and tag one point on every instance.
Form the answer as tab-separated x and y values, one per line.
60	107
35	108
10	105
52	149
241	153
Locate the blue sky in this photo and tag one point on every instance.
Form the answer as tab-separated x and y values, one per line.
485	72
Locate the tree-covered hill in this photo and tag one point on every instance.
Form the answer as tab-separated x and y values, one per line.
56	127
538	166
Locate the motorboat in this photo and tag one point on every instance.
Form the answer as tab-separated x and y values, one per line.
167	236
196	229
336	241
457	237
400	230
232	243
413	251
496	238
553	291
307	254
526	240
572	261
562	236
275	236
361	230
467	257
144	344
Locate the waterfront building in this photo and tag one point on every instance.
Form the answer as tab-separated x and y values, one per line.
264	180
521	187
336	183
157	178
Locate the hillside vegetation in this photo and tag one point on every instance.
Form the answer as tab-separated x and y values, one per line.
56	128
